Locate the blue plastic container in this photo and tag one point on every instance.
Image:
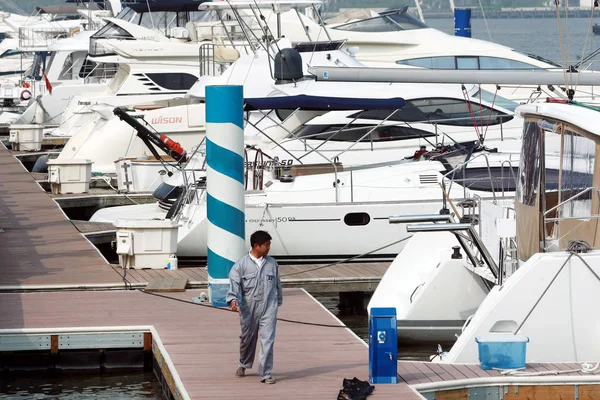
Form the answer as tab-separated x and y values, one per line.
462	22
502	351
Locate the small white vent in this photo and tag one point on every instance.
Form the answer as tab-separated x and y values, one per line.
428	179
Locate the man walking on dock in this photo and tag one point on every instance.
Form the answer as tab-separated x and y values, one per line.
255	290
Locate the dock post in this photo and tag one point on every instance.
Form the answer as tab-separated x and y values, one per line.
225	186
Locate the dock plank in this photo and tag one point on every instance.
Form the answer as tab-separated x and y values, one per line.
310	361
41	246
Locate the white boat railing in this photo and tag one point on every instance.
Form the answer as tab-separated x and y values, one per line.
451	177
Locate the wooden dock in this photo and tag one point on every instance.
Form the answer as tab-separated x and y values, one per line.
38	245
311	359
202	342
196	345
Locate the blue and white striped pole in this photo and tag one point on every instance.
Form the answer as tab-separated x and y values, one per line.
225	186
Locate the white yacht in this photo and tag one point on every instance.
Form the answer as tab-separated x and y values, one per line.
550	297
546	274
57	49
150	66
396	38
428	115
317	212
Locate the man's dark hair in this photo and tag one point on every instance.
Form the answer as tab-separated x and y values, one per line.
259	238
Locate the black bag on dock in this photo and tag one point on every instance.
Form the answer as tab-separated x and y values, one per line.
355	389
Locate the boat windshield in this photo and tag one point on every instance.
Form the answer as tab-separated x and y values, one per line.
542	59
387	21
494	99
163	17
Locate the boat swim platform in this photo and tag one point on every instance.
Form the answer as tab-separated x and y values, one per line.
196	349
41	249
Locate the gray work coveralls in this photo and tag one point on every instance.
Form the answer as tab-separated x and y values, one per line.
259	295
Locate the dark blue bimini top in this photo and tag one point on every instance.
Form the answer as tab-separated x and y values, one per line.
163	5
306	102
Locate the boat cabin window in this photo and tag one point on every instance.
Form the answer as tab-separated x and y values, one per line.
467	62
92	69
66	73
112	31
565	177
503	63
173	80
109	31
357	219
283	114
388	21
408	113
162	16
577	166
491	98
454	112
457	112
354	133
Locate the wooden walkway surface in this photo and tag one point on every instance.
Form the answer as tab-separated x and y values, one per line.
338	278
310	361
38	245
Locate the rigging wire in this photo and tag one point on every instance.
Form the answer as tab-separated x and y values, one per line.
485	21
560	39
349	259
587	36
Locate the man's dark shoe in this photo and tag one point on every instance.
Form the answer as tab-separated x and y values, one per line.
268	380
241	372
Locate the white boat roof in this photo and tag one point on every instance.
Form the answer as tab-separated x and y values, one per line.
577	115
79	41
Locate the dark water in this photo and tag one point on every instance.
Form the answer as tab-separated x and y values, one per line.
540	36
360	325
126	386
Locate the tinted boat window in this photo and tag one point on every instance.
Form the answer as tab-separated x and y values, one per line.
173	80
353	133
388	21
